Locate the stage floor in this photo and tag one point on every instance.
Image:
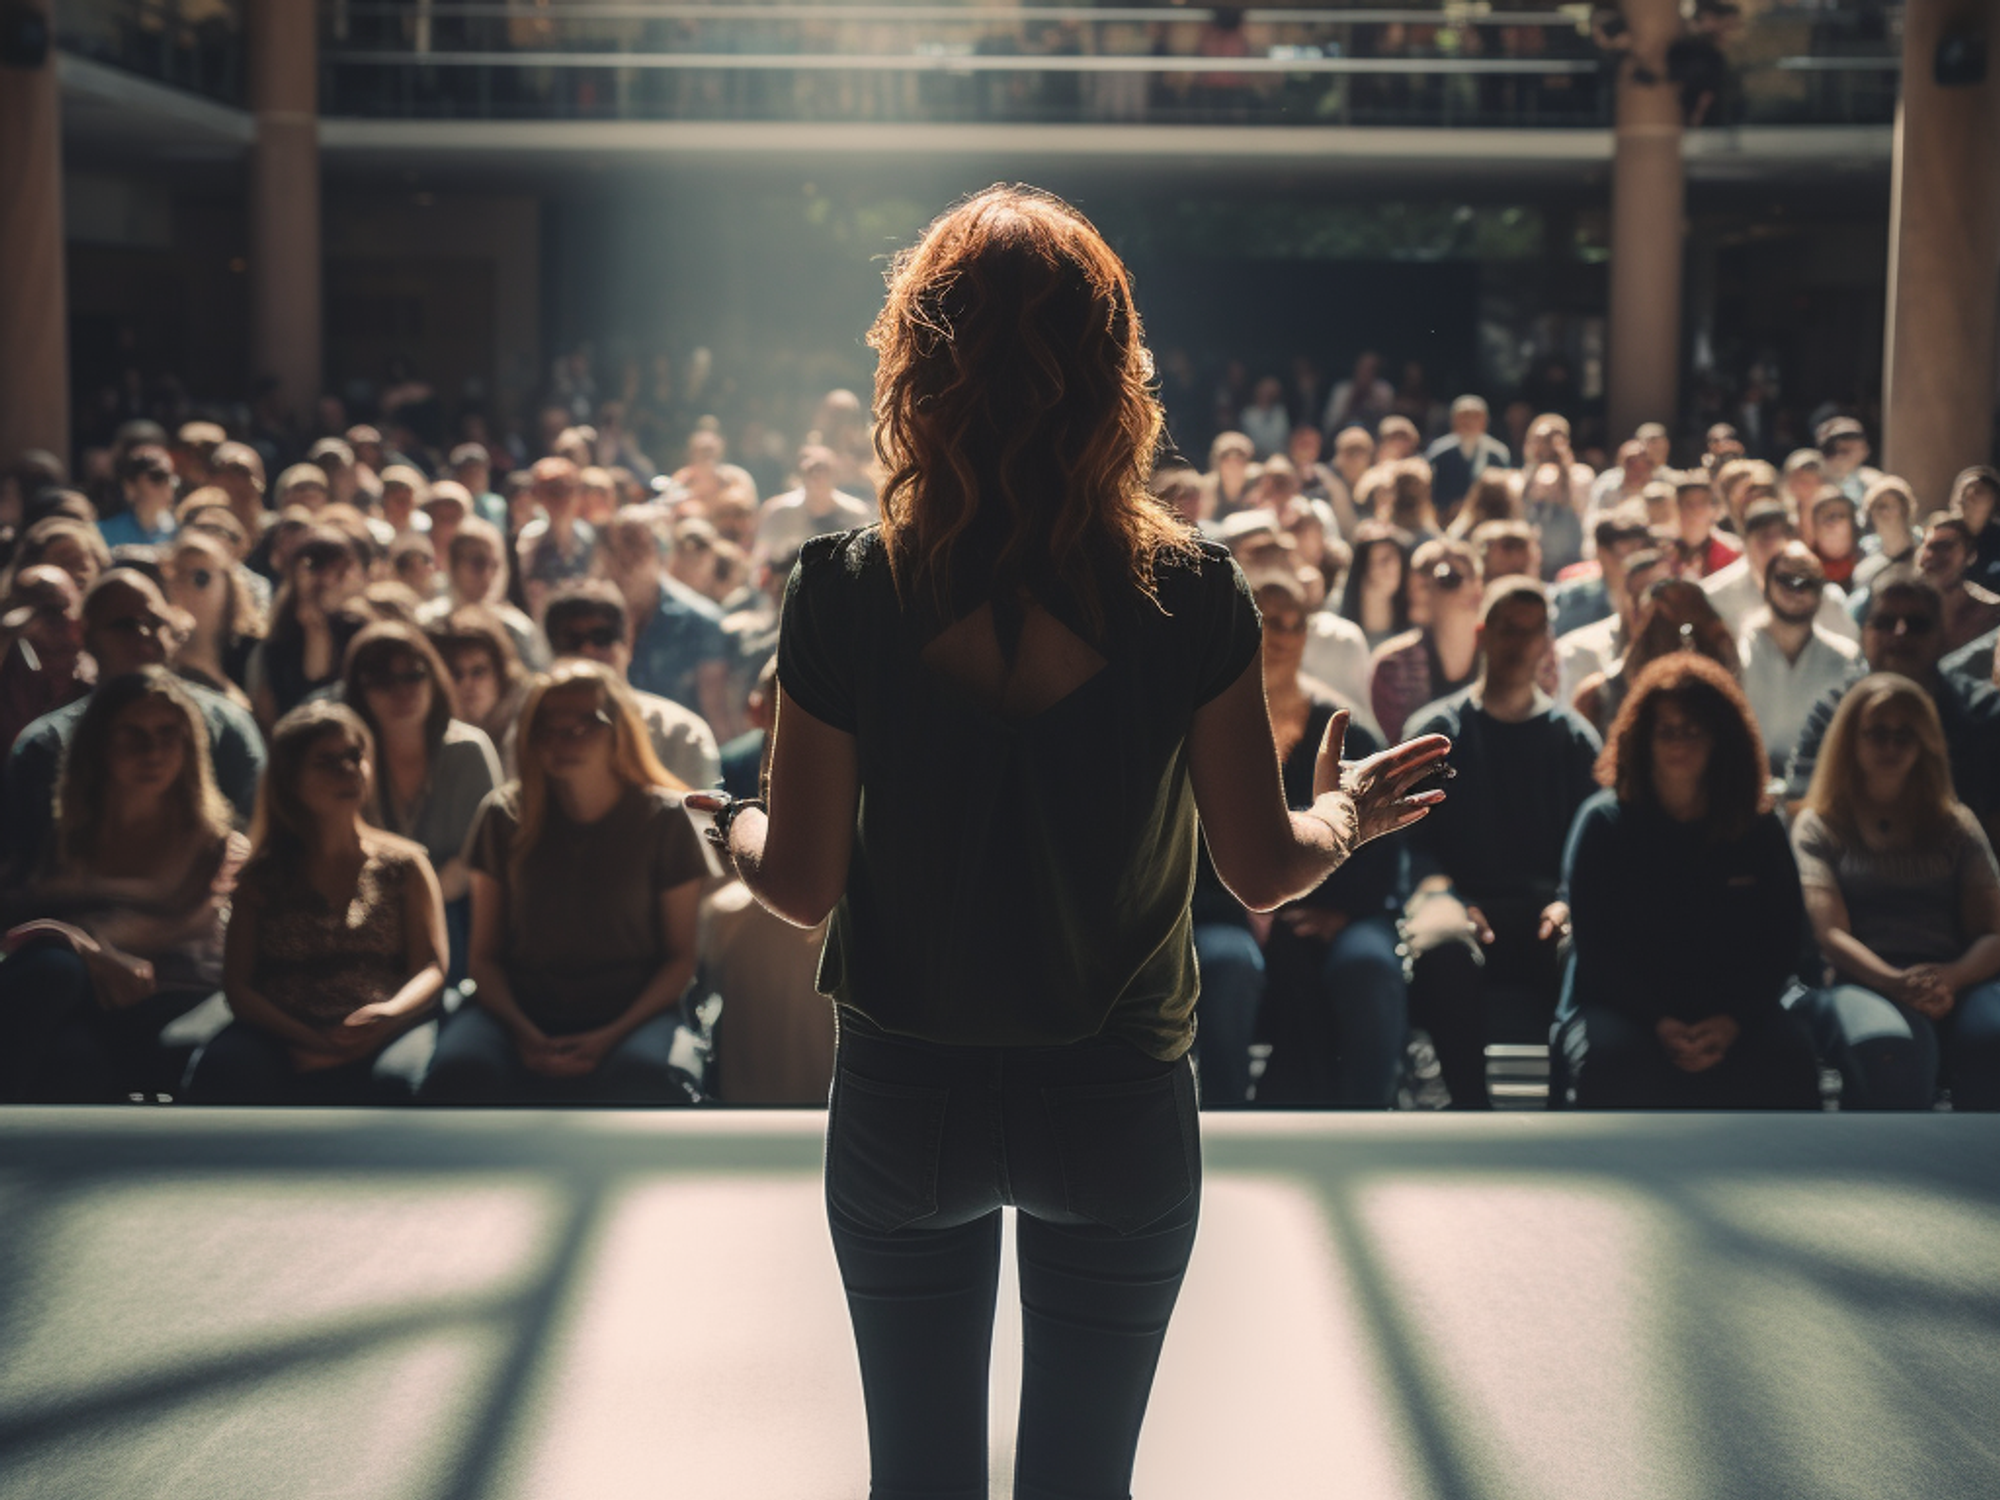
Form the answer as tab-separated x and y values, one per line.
576	1306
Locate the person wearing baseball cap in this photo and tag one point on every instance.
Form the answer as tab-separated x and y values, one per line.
1834	535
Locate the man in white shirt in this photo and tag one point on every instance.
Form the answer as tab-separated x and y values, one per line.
1737	589
1789	659
815	508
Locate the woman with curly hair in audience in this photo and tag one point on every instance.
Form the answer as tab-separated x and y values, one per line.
128	906
336	946
1904	896
225	622
585	875
432	769
1686	911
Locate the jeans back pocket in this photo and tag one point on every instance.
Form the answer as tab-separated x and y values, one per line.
1125	1148
884	1141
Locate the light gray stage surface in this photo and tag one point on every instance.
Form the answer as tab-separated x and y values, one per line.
574	1306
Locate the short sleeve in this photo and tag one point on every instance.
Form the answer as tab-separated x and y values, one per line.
677	851
815	632
491	836
1816	849
1231	630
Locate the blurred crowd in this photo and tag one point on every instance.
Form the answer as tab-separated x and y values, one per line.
345	765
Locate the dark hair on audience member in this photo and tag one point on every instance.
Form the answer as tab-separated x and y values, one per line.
1707	693
1014	389
1491	498
1944	520
473	627
583	599
1367	537
1978	474
372	650
283	829
242	618
83	787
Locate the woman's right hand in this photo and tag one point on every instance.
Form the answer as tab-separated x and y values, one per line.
1380	787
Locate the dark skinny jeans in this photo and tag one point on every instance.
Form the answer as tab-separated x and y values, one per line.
1098	1147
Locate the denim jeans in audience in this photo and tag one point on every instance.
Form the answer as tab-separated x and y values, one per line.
1889	1055
246	1066
1338	1016
1097	1146
1616	1062
1454	980
476	1063
59	1046
1232	988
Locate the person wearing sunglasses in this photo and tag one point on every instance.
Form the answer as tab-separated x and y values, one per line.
432	769
1685	910
1737	588
127	625
1439	655
146	480
1904	897
585	878
586	621
127	903
225	624
1904	633
336	950
1789	659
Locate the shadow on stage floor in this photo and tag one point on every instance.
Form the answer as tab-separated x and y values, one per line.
533	1305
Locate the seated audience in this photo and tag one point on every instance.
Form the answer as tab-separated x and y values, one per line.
1704	551
224	622
1595	647
1975	497
127	905
1904	634
1463	455
1673	615
1334	1008
1555	491
1945	557
557	546
62	542
1376	596
586	875
1686	912
487	678
787	521
1486	864
1737	589
1890	508
127	625
1789	659
336	950
587	622
146	479
432	770
1591	591
476	574
1440	654
1904	897
42	665
677	646
314	616
1833	535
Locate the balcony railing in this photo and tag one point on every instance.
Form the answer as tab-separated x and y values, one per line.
1453	63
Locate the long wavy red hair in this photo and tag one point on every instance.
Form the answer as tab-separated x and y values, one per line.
1015	391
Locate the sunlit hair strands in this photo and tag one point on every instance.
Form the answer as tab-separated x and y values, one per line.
1015	389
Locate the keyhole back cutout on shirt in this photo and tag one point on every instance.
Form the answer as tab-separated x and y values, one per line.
1051	661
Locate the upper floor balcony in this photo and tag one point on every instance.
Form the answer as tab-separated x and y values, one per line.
1450	63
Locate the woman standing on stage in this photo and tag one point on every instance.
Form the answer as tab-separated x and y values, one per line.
998	714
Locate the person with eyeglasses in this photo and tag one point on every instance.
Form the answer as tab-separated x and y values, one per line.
127	625
476	575
224	623
1439	655
146	481
585	877
1789	658
1685	912
587	621
1484	912
432	768
127	902
335	960
1904	633
488	681
1904	897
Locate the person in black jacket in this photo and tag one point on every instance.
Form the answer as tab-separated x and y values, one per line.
1687	911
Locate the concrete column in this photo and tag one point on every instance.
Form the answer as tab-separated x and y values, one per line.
34	336
285	314
1648	195
1938	351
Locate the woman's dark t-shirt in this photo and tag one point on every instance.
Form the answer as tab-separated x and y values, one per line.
1016	882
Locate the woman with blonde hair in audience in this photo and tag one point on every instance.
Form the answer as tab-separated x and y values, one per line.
226	624
129	904
336	948
432	769
77	547
1685	910
1904	897
585	877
